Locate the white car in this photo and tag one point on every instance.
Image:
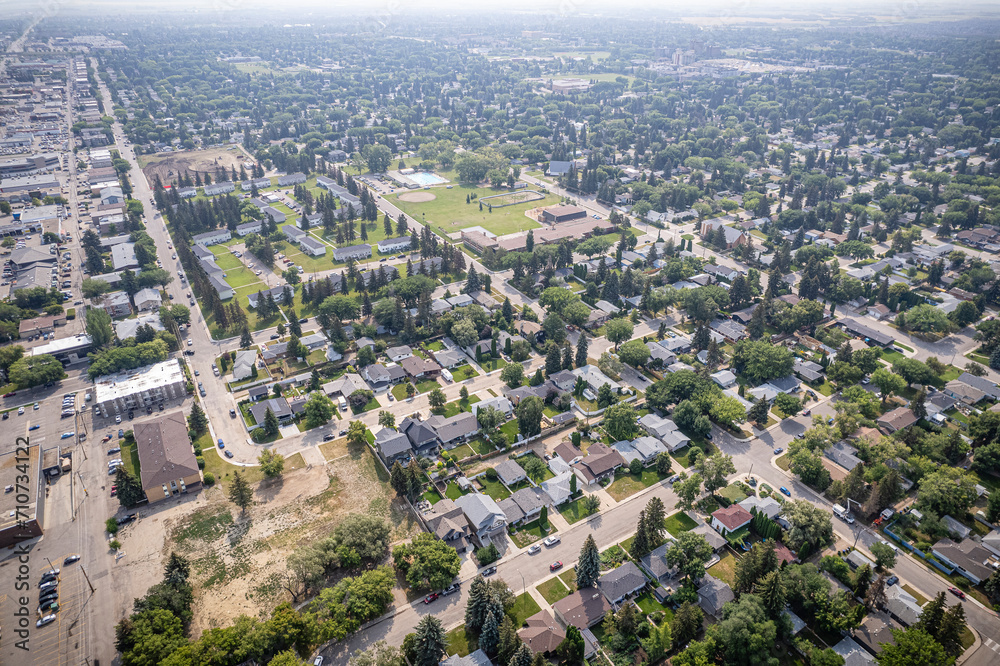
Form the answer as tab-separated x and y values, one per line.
118	418
534	548
551	541
190	342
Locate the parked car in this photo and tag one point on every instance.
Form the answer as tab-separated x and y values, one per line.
451	589
778	451
328	436
48	607
489	571
534	548
121	433
71	559
785	491
48	585
45	620
555	566
551	541
957	592
124	520
228	453
431	597
891	580
221	445
34	427
67	435
232	413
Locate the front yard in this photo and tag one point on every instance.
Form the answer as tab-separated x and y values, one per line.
529	533
552	590
627	484
573	511
679	522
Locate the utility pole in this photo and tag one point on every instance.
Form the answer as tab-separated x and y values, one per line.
52	567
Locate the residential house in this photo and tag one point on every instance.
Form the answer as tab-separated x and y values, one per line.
147	299
244	364
422	438
875	632
721	272
485	300
852	653
967	557
529	329
453	430
789	385
656	425
582	609
278	406
449	358
866	333
732	331
897	419
312	247
485	518
843	454
645	449
397	354
902	605
420	368
677	344
510	472
377	376
733	236
392	446
500	403
730	519
249	228
524	505
542	634
460	301
123	256
128	328
765	505
212	237
810	371
215	189
599	463
655	563
277	293
477	658
956	528
345	385
559	488
116	304
991	542
856	559
621	582
724	378
447	521
713	594
594	378
296	178
256	393
714	539
988	388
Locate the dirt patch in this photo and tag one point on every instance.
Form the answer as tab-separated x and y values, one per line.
168	165
417	197
238	562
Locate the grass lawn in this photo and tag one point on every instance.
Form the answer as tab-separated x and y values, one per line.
437	345
627	484
494	489
452	491
432	495
681	455
573	511
826	388
130	456
648	603
529	533
510	430
783	462
921	599
552	590
372	404
461	452
892	356
427	385
458	643
568	578
399	390
523	608
978	358
733	493
725	569
448	212
223	470
679	522
463	372
481	446
493	364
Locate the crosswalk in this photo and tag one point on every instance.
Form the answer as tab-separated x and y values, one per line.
992	644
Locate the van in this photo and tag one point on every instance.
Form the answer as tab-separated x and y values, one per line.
342	403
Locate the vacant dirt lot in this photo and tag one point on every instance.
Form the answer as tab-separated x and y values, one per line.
168	165
238	561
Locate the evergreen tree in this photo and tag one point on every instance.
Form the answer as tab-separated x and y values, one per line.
771	590
508	310
475	608
472	282
240	492
950	632
581	350
553	360
489	637
398	479
640	545
197	420
567	362
758	413
523	655
270	423
246	341
588	569
933	615
509	641
430	643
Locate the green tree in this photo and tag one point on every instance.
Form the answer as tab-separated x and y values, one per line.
489	636
427	562
529	416
620	421
714	470
687	623
99	327
386	419
270	425
130	490
808	524
887	382
885	556
240	492
318	410
436	398
149	637
197	420
728	411
271	463
430	643
634	353
512	375
687	489
475	607
357	434
912	647
758	413
246	341
573	647
581	350
588	569
688	553
618	331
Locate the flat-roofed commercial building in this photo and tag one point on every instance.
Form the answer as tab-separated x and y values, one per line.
145	386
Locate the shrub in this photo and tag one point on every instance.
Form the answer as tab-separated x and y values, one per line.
488	555
209	479
115	544
111	525
491	474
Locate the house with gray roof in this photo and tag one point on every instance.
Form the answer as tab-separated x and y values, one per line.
843	454
559	487
244	363
656	425
453	430
967	557
499	403
296	178
524	505
355	252
477	658
422	438
852	653
655	563
447	521
485	518
765	505
510	472
345	385
123	256
278	406
449	358
713	594
902	605
392	446
621	582
714	539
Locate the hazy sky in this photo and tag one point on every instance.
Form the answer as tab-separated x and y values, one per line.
905	9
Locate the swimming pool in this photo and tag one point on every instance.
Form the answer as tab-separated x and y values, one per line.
424	179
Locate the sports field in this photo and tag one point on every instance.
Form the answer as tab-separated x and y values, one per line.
447	212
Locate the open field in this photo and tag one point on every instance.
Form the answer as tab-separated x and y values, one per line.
168	165
448	212
237	560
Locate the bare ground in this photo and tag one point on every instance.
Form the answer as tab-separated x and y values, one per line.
238	561
168	165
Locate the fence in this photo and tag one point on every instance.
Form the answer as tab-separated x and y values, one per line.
916	551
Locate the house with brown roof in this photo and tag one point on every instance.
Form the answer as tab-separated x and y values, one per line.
582	609
542	633
730	519
420	368
167	462
897	419
599	463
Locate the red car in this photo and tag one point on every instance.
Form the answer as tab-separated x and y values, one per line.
431	597
957	592
555	565
114	490
7	395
